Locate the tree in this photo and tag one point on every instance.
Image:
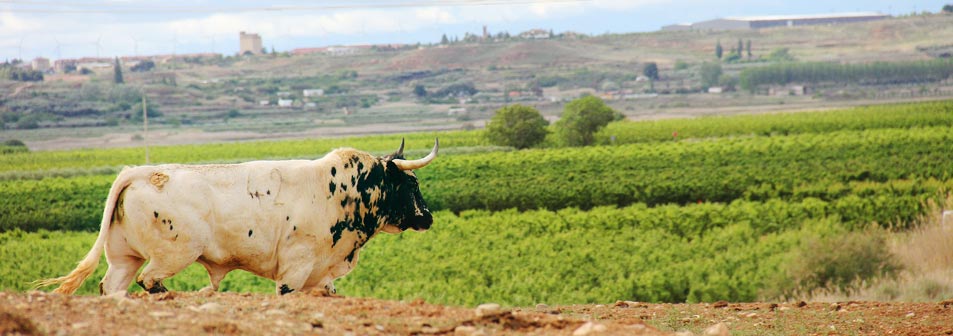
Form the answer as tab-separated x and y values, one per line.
420	91
582	118
117	72
143	66
650	70
718	49
710	73
748	48
741	47
948	8
780	55
444	39
517	126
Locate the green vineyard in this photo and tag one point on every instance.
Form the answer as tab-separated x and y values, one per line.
717	212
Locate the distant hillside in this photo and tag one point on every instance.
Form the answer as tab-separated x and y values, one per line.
263	96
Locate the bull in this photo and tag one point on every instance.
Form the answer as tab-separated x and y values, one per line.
300	223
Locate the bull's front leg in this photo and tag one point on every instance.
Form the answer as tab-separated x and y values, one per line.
292	278
325	284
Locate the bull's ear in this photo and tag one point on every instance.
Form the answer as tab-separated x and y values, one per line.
399	154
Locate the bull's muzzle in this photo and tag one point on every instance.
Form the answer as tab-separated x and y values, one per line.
421	223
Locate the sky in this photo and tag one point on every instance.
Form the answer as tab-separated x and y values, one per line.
58	29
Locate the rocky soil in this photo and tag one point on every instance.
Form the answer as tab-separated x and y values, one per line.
178	313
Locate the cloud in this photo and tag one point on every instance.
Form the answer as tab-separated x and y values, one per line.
144	33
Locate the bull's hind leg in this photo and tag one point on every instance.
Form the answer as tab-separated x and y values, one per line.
215	275
119	274
123	263
165	265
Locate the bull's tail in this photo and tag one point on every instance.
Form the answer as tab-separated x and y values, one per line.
72	281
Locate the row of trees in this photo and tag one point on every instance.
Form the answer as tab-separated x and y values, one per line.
871	73
523	126
736	52
12	71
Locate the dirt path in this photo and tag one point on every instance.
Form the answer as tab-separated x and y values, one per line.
178	313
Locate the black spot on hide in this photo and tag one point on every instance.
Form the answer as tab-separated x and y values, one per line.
268	192
332	187
366	224
287	218
334	171
249	233
155	213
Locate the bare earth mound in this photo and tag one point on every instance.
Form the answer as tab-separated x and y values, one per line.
177	313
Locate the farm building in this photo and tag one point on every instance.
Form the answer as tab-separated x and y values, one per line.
758	22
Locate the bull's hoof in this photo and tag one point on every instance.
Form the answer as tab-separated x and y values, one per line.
157	287
285	289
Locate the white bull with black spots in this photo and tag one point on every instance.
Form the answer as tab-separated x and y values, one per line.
300	223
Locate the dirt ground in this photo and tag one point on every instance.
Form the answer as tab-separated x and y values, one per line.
189	313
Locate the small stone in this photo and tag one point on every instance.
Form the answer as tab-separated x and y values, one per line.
487	309
751	315
720	304
685	333
621	304
379	327
211	307
542	307
600	306
589	328
161	314
719	329
79	325
801	304
911	314
464	330
784	308
126	302
275	312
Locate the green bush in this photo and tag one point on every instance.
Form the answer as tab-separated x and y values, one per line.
516	126
582	118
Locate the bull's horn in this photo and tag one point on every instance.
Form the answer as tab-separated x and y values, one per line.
400	151
419	163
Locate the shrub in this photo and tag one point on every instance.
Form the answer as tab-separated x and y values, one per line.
517	126
841	262
582	118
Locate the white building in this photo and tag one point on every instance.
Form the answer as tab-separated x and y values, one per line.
312	92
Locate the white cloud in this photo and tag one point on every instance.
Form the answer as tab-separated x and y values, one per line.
123	34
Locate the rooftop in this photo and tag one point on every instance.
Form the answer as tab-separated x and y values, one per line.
805	17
